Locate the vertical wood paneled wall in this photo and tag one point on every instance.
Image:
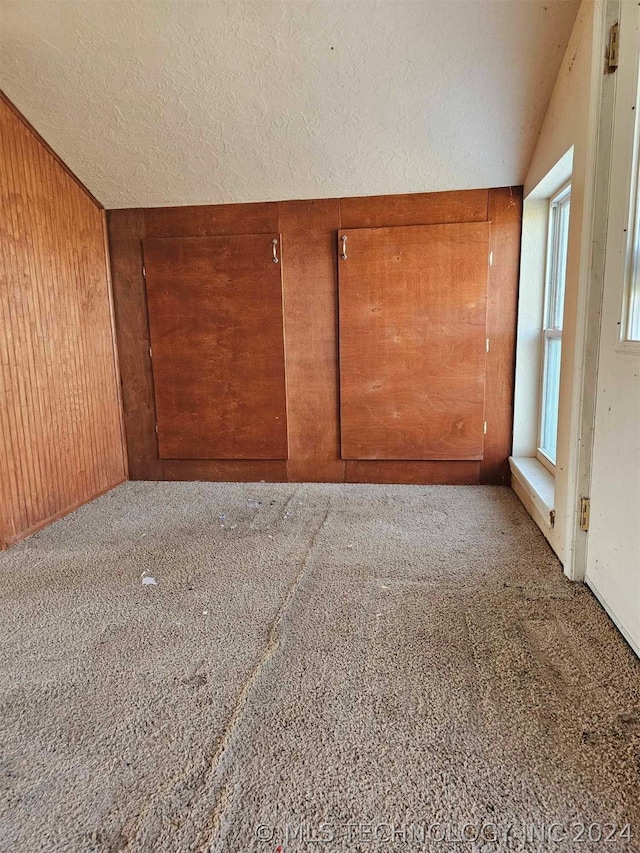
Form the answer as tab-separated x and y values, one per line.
61	435
309	232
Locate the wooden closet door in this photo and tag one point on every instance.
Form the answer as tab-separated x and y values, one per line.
413	303
215	317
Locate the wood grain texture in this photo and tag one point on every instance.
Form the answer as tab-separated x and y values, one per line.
505	213
211	220
310	301
415	473
60	423
46	147
126	232
45	522
412	341
384	211
215	316
309	236
227	470
114	340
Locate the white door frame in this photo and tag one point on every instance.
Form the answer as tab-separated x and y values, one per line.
590	289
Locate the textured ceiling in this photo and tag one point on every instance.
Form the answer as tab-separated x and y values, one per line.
154	103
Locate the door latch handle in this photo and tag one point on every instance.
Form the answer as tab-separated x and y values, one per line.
274	243
344	247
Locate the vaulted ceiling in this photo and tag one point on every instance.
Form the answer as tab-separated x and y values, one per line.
167	103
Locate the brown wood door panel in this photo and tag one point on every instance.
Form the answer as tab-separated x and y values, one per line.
216	323
412	309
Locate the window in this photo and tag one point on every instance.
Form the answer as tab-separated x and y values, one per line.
559	206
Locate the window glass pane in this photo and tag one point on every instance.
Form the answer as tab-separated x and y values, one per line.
550	397
631	316
562	237
633	304
559	211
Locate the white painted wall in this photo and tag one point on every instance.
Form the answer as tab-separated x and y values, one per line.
565	123
569	123
613	548
168	103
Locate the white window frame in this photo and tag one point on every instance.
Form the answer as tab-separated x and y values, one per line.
631	295
550	329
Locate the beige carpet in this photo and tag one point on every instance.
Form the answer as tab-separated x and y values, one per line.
377	665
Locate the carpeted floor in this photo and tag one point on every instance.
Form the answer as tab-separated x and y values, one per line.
377	665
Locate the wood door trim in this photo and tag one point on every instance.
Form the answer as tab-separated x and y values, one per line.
116	354
505	215
414	209
211	220
126	233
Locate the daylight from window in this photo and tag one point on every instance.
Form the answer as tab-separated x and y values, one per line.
631	324
552	329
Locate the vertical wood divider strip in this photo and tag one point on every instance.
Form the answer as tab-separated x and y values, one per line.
309	259
126	232
505	213
116	359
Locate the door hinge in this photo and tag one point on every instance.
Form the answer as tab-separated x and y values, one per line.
156	429
150	353
585	511
552	518
486	344
491	258
484	428
144	271
613	48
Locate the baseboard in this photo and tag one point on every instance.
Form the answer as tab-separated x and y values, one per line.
24	534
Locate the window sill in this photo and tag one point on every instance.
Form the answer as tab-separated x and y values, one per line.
628	347
544	460
535	486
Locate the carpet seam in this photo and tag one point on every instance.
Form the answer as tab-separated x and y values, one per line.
273	643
